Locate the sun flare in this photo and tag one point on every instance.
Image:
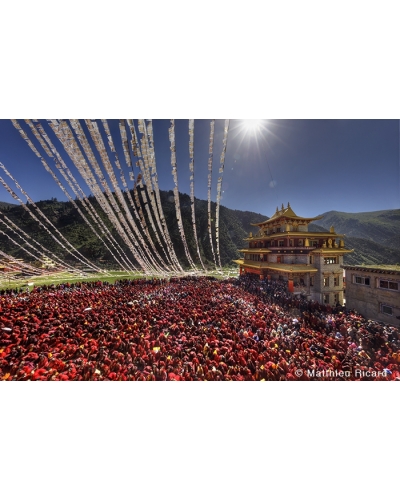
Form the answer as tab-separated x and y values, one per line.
252	125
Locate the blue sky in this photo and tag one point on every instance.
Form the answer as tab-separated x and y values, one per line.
316	165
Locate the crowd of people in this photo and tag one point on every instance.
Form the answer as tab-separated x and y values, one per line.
191	328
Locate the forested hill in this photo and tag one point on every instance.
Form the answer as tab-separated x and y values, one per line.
373	235
234	227
4	205
382	227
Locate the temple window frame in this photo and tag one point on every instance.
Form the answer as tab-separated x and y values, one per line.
392	286
330	260
361	280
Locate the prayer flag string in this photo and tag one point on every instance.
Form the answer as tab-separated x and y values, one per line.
148	144
99	143
13	228
192	201
74	251
219	188
145	169
210	163
66	137
77	190
176	193
139	216
137	151
48	169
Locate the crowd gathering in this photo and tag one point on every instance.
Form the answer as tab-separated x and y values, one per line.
190	328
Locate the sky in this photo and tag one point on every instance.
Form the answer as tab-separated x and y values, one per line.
316	165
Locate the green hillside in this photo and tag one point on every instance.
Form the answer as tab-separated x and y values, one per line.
4	205
234	226
381	227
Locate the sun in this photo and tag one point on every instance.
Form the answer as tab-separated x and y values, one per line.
252	125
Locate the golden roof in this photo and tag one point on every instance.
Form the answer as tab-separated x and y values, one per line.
331	250
306	234
256	250
286	213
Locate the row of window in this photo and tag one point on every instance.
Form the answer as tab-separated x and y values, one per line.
282	229
327	260
391	285
385	284
280	259
292	243
254	256
280	243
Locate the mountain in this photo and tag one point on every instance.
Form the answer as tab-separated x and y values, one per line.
382	227
373	235
4	205
234	226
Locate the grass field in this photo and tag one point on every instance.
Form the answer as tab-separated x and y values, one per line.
10	281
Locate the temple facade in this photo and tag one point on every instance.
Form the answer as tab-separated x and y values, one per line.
282	248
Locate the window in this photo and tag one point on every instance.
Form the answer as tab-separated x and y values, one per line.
281	243
291	243
326	298
330	260
361	280
326	281
311	281
336	281
311	259
389	285
386	309
300	243
337	298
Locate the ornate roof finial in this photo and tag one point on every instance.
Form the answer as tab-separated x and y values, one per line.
288	205
283	208
277	209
